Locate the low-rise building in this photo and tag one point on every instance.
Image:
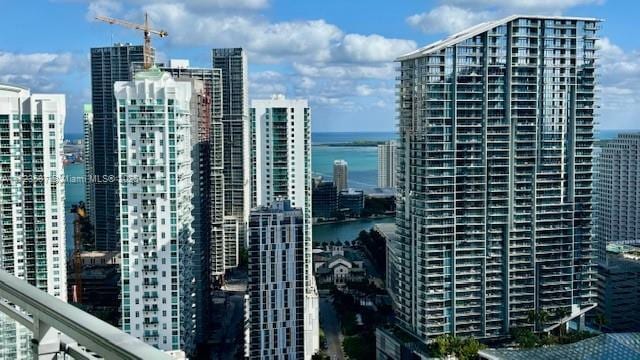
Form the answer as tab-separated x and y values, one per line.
351	202
388	233
619	290
99	282
618	346
324	201
334	266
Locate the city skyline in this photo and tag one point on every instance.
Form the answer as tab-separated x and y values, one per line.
344	60
473	195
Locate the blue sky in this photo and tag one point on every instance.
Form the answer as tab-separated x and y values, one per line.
338	54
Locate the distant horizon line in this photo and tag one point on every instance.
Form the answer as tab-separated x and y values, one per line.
376	132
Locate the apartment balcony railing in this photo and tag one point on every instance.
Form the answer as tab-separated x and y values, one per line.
61	329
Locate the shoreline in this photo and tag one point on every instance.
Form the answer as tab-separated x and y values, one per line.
351	144
346	221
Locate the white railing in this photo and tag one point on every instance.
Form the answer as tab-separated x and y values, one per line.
59	327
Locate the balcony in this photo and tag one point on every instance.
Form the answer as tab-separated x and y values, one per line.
59	328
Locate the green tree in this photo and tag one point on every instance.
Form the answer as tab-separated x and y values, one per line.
538	319
562	313
243	258
463	349
601	320
543	318
443	343
525	338
469	349
319	356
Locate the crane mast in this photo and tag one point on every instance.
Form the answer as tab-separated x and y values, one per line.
146	31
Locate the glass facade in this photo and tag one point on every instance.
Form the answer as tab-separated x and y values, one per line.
108	65
495	177
232	63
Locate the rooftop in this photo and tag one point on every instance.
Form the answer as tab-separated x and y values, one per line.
388	230
479	29
612	346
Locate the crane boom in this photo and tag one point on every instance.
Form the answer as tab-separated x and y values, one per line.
147	31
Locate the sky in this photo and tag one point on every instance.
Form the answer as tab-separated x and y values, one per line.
338	54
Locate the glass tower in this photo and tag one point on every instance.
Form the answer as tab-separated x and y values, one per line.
232	63
494	207
108	65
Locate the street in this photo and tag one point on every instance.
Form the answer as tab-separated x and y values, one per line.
331	326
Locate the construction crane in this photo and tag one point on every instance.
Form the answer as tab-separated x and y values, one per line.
146	30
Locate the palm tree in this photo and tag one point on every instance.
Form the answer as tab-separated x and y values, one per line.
538	318
543	318
532	318
601	320
562	313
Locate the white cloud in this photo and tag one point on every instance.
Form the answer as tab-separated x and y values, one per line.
38	71
352	71
620	86
266	42
380	104
525	6
34	63
454	15
103	8
364	90
268	75
372	48
225	4
449	19
263	84
273	42
306	83
107	7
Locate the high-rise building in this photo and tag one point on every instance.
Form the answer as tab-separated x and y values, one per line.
494	203
281	151
231	248
89	183
324	200
207	179
281	163
340	172
108	65
617	192
32	211
387	164
155	187
232	63
276	286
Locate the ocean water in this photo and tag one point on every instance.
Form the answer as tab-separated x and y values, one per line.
320	138
345	231
362	160
73	193
609	134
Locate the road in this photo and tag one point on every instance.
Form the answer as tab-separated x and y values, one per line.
229	329
331	326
